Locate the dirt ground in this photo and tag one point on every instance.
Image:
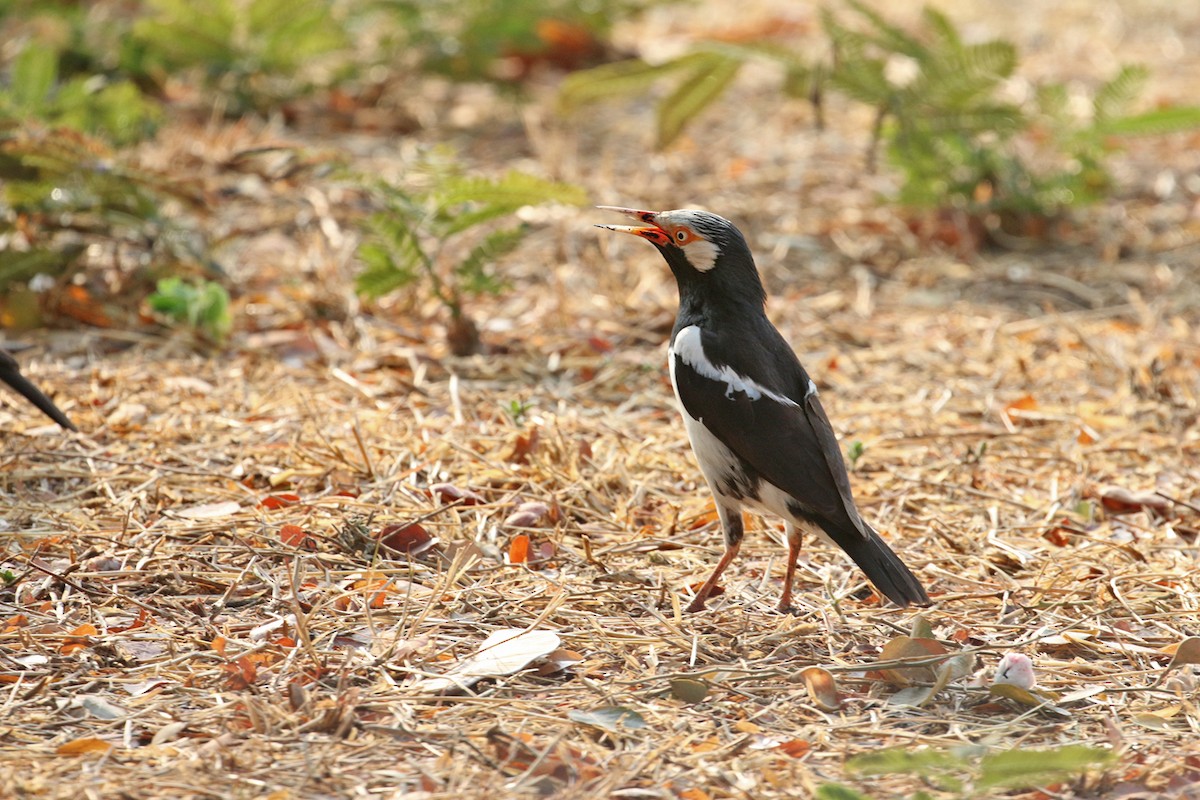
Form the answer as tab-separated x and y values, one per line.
196	611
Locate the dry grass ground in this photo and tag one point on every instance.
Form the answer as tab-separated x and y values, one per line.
191	612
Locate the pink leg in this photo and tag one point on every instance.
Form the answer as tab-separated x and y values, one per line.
731	525
793	540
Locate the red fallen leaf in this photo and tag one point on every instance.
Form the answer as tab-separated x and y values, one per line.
449	493
274	501
218	645
585	449
796	748
285	641
524	446
1119	500
1059	534
411	538
518	549
600	344
295	536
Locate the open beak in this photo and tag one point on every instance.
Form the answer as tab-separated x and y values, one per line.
650	231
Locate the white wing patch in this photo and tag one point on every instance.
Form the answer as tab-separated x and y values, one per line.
688	348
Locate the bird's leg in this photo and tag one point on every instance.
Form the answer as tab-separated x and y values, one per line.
793	540
731	526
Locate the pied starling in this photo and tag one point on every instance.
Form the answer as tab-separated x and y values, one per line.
10	373
752	413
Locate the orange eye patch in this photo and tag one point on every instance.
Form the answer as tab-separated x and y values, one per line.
682	236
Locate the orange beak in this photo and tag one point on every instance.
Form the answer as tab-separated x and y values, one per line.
651	232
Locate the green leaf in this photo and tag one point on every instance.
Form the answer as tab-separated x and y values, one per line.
34	73
609	718
901	760
837	791
204	307
1028	768
711	73
620	79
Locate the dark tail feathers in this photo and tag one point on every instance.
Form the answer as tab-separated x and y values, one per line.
10	373
884	568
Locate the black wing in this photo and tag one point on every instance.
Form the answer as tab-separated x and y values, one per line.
789	444
10	373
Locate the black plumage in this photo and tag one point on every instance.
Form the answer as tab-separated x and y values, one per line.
10	373
753	414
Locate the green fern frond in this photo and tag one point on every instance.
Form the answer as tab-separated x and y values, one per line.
887	36
392	255
506	194
473	272
1116	97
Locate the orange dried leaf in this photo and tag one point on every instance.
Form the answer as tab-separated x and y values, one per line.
77	639
79	747
275	501
518	549
241	673
717	590
796	748
295	536
218	645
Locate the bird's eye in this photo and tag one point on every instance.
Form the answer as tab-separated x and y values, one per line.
681	236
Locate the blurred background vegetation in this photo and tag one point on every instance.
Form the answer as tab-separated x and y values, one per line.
86	216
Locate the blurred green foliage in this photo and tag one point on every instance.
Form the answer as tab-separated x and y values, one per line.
441	238
470	40
38	89
971	771
257	52
945	110
203	307
61	191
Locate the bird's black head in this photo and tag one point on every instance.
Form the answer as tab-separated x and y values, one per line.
706	253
